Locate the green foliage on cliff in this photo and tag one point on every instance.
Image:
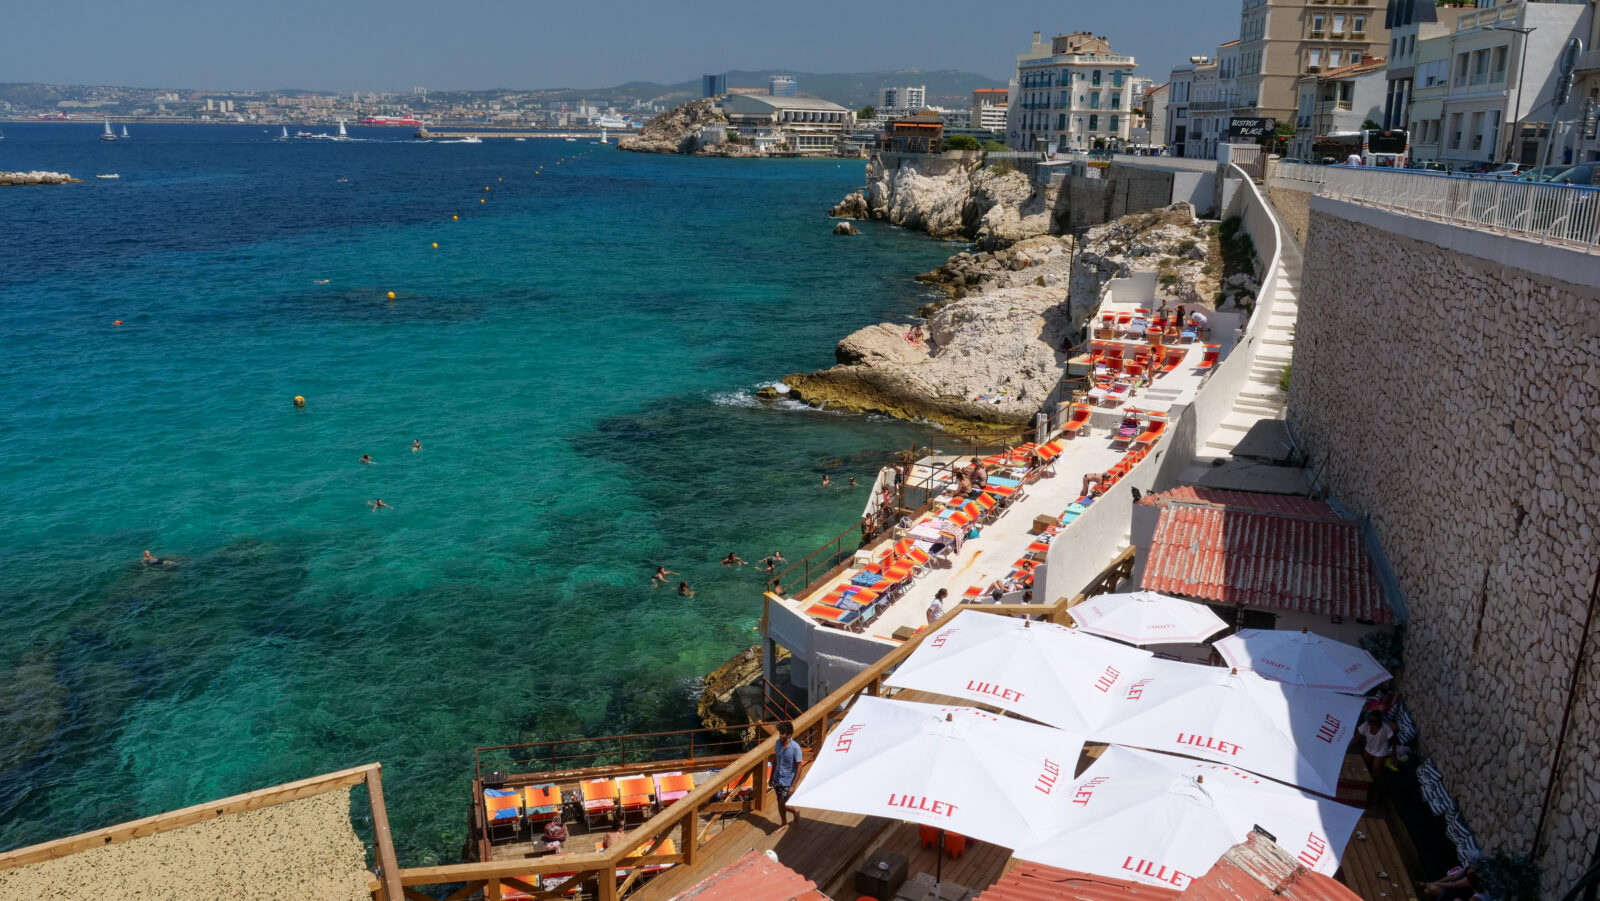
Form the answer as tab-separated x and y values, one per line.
961	142
995	147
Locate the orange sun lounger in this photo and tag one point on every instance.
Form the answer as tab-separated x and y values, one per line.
599	800
1077	425
636	795
543	802
502	812
672	787
1210	359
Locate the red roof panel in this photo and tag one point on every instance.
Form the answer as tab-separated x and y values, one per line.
1311	562
1248	500
1037	882
754	877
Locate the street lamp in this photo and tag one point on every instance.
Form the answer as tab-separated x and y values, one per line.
1522	70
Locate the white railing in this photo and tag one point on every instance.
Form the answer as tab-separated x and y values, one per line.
1563	215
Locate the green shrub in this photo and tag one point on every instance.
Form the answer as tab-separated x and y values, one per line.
1509	877
1002	167
1283	384
961	142
995	147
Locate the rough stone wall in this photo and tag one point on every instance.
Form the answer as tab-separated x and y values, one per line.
1457	401
1293	206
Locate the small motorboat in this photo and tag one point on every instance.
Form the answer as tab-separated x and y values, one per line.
109	175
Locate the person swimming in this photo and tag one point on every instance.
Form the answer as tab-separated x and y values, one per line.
415	445
367	459
661	574
150	559
379	505
685	590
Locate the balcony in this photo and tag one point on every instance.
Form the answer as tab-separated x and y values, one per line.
1327	107
1587	62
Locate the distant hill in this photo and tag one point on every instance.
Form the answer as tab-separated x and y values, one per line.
946	87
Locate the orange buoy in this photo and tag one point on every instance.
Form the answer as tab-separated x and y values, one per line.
118	322
481	200
436	245
391	295
455	218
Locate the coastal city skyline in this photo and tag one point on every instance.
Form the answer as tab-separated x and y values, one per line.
543	46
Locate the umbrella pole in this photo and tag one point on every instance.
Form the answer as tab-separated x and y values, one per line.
938	868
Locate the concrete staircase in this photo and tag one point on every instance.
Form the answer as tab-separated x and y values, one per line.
1260	398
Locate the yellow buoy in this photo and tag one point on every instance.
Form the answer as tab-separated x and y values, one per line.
391	295
486	187
499	179
299	401
436	245
455	218
481	200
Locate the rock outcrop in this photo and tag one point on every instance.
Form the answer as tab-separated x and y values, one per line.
674	131
845	228
954	198
38	178
853	206
993	353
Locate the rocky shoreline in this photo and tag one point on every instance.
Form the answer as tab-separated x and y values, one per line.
994	350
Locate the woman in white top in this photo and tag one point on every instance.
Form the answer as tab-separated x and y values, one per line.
1378	740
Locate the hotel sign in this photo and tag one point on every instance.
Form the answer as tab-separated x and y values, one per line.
1250	129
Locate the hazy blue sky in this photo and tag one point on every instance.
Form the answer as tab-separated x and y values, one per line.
348	45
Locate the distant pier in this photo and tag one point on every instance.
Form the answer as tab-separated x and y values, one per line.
37	178
429	134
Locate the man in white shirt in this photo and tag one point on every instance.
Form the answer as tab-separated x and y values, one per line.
1354	159
1378	740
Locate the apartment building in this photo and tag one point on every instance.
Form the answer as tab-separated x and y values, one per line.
1483	110
1072	94
1281	40
1180	87
1154	105
909	98
1410	21
1341	100
989	108
1216	98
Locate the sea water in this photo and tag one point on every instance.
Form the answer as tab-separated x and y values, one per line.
577	357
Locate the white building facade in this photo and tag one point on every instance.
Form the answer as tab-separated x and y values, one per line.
1072	93
907	98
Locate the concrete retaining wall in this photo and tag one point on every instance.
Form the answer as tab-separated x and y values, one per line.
1447	383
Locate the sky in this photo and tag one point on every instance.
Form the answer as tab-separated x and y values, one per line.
346	45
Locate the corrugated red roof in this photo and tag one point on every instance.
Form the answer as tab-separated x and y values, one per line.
1248	500
754	877
1258	870
1037	882
1236	552
1253	870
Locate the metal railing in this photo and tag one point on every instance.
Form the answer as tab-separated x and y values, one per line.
1561	215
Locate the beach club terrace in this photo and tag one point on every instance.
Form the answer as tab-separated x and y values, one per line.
844	606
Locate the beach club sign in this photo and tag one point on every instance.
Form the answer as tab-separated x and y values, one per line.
1250	129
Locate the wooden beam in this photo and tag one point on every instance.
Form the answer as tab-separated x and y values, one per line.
607	890
188	816
688	841
499	869
466	891
381	835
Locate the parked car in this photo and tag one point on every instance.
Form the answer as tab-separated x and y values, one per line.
1476	168
1429	166
1507	170
1581	174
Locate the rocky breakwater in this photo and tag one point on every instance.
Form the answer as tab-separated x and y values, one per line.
986	362
38	178
675	131
993	206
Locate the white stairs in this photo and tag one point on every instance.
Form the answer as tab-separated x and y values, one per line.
1261	398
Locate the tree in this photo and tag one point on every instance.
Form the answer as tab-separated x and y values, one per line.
995	147
961	142
867	112
1370	125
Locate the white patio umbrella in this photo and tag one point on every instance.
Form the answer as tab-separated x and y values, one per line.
1302	658
1042	671
1292	734
978	774
1146	617
1165	821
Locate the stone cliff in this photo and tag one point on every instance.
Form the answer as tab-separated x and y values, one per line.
993	353
673	131
955	198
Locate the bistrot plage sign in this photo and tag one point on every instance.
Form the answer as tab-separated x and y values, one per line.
1250	129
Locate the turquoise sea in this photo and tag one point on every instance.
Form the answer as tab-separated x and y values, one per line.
577	357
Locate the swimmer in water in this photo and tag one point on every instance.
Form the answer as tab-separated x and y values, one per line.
732	560
150	559
685	590
853	482
379	505
826	482
321	281
367	459
415	445
661	574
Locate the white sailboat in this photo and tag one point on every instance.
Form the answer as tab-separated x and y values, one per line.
107	135
343	135
284	136
124	132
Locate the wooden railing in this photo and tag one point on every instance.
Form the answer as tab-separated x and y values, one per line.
386	885
598	873
621	752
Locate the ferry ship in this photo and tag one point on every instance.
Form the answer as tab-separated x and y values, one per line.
412	121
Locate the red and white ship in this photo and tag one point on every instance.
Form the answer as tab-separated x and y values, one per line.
413	121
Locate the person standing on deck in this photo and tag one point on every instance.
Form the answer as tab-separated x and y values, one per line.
785	767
